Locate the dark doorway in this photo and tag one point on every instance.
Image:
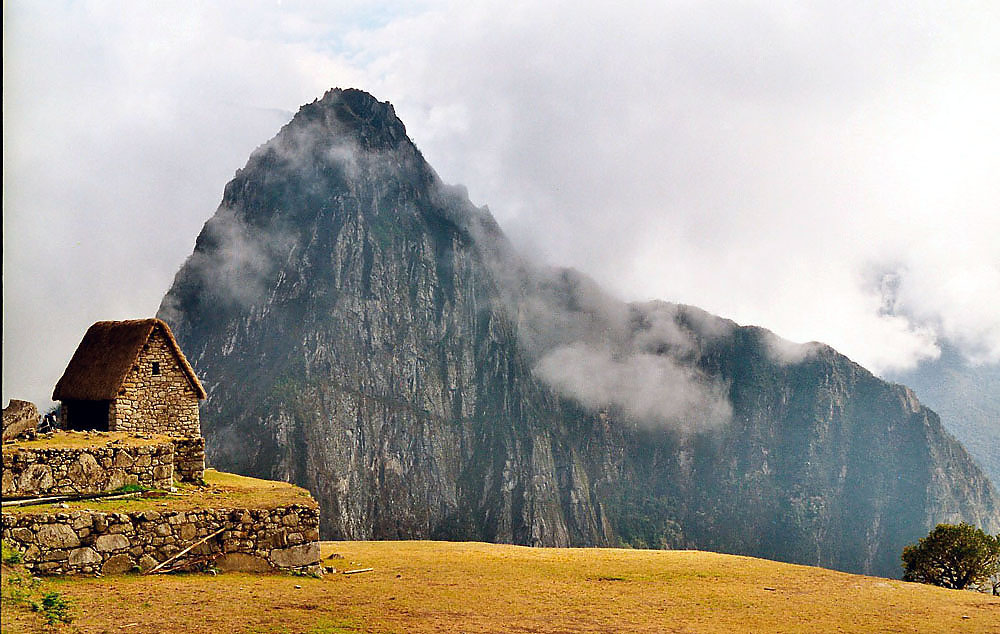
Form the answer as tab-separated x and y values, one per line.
87	415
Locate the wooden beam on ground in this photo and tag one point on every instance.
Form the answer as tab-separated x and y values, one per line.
70	498
183	552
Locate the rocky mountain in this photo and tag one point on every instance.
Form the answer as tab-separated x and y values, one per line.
967	396
364	331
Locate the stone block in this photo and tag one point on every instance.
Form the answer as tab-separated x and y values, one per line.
57	536
168	551
117	564
147	563
86	470
58	554
32	553
242	562
83	556
22	535
36	478
187	532
85	520
114	541
295	556
116	480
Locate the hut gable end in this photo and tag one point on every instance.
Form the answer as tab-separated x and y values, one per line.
156	394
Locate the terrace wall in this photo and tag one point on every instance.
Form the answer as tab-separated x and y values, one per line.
41	472
89	542
189	459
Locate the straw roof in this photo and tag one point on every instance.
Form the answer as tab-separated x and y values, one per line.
105	356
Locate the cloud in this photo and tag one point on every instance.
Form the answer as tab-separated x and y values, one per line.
751	158
652	389
234	264
788	352
757	159
590	346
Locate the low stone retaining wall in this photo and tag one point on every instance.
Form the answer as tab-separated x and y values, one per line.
63	471
88	542
41	472
189	459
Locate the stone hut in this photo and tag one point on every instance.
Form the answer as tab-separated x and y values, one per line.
130	376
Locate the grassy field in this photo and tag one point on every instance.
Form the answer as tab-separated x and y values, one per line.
224	490
472	587
84	440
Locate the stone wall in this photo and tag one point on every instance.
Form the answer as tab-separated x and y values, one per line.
189	459
39	472
87	542
163	403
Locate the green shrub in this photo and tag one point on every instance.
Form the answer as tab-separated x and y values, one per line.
54	607
951	556
131	488
11	555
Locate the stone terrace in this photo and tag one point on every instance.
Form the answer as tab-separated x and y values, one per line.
261	525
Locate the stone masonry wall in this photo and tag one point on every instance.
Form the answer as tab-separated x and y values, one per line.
87	542
160	404
189	459
64	471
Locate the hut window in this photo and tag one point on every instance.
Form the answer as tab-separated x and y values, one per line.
156	368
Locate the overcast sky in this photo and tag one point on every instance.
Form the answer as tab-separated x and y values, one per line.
829	170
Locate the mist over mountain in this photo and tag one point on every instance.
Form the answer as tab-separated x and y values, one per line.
365	331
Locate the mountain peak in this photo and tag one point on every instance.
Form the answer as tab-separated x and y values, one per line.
348	110
363	331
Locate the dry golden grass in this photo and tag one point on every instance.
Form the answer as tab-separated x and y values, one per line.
224	490
83	440
472	587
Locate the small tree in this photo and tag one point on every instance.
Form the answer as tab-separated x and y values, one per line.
953	557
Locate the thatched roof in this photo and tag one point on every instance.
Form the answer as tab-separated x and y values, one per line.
105	356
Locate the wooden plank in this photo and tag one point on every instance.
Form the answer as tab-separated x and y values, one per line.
69	498
183	552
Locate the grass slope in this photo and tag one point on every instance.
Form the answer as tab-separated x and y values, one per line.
85	440
473	587
224	490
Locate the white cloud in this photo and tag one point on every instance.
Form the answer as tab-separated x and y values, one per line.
758	159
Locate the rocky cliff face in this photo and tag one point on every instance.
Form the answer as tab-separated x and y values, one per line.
366	332
968	399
